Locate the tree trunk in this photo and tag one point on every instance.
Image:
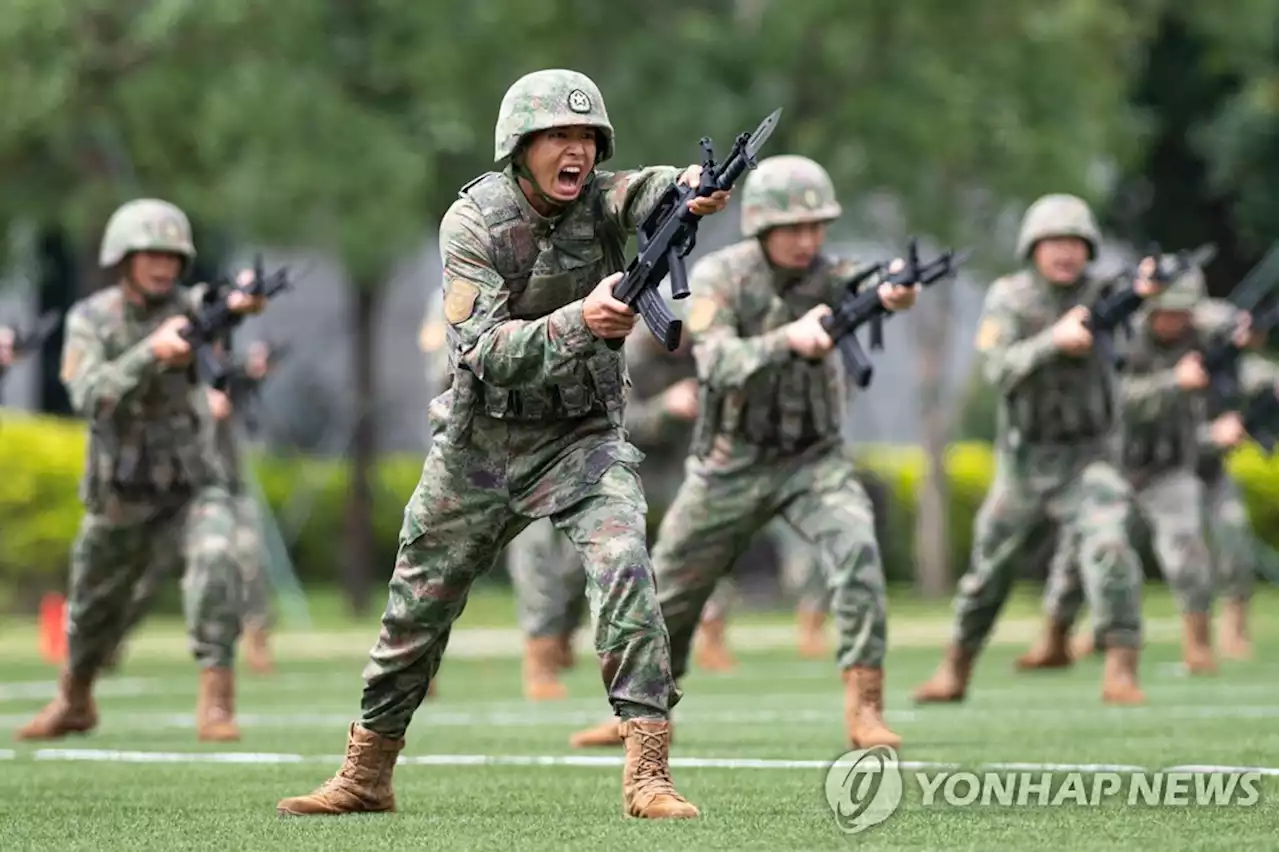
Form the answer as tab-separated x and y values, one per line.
358	570
933	545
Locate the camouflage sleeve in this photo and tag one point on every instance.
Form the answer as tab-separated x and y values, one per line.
725	360
501	351
1008	357
1145	395
631	196
95	385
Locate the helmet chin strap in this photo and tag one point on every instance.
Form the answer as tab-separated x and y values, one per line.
520	170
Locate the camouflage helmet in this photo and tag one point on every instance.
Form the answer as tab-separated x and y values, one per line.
1057	215
787	190
1184	293
146	224
552	98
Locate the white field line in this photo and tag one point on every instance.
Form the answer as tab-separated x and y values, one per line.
111	756
126	721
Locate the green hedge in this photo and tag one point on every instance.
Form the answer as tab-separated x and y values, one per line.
41	460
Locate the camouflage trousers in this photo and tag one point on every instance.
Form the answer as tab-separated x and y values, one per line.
1088	501
115	549
480	487
714	515
1231	536
1172	505
246	550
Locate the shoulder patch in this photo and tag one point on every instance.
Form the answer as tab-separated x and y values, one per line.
988	335
701	313
460	301
431	336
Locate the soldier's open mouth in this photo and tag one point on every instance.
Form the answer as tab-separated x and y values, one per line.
568	180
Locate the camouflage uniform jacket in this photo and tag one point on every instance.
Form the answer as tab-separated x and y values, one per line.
518	345
758	400
150	439
1047	399
662	438
1163	424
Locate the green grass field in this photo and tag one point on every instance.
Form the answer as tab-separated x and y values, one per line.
485	770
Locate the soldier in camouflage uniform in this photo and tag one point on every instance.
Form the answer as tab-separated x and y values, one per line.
247	544
1163	411
1236	550
1056	447
531	428
768	440
1230	534
152	484
546	574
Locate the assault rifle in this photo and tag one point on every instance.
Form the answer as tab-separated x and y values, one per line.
1115	308
865	308
26	342
1256	296
215	320
668	233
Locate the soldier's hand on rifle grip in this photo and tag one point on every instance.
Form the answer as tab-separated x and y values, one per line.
1243	335
1145	284
219	404
1190	372
1228	430
168	344
240	302
806	336
713	203
6	346
897	297
1070	334
605	316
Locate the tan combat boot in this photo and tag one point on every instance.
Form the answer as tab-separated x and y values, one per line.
1120	677
541	669
951	679
1051	652
1197	655
216	706
1233	631
709	649
362	785
812	643
564	651
647	790
72	711
864	709
1084	645
257	650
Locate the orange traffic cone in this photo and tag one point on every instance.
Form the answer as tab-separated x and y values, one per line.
53	628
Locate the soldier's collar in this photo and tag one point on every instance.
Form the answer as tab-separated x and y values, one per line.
138	305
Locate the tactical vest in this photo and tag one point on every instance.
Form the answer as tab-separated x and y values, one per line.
1067	400
545	265
782	410
154	446
1167	440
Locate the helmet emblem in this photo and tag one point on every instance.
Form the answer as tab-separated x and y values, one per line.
170	230
810	198
579	102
